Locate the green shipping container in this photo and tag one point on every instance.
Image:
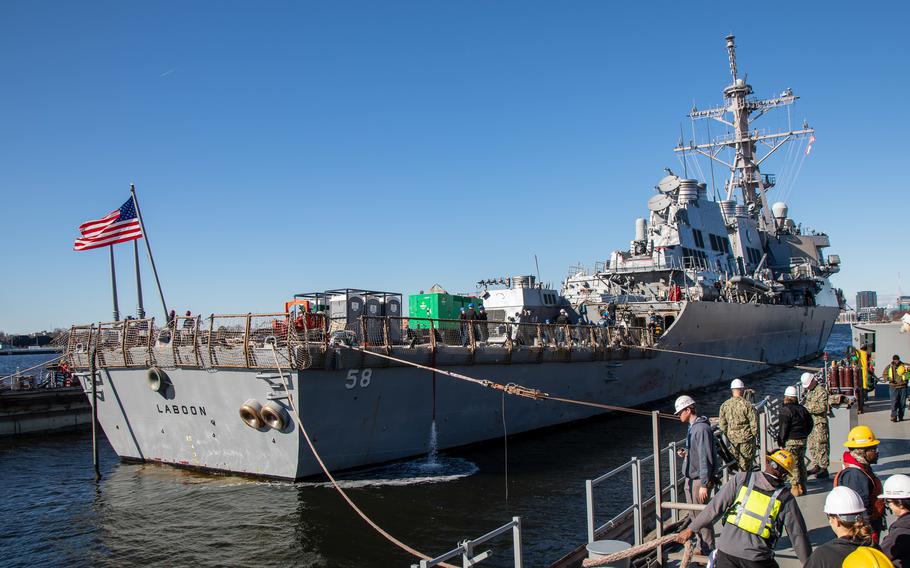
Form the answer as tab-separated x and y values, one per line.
438	306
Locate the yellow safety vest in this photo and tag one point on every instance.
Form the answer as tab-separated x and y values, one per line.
755	511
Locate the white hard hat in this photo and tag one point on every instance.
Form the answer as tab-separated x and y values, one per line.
896	487
844	501
791	391
805	379
684	402
737	384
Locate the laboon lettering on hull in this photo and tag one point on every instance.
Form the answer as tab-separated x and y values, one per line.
181	409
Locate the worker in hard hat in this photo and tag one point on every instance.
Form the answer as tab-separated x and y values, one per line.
857	474
844	509
699	463
896	375
896	544
794	427
740	425
818	444
756	506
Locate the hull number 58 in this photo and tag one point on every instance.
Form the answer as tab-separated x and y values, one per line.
356	376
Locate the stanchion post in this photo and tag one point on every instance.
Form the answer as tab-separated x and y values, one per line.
762	439
658	525
93	377
516	542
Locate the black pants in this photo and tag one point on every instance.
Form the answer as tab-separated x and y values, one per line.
726	561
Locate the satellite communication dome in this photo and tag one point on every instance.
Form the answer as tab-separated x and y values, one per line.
779	210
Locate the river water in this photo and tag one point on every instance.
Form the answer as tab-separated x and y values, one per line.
54	513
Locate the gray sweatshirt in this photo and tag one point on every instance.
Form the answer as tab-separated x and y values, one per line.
701	452
736	542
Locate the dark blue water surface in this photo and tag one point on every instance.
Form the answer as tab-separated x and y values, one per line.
53	513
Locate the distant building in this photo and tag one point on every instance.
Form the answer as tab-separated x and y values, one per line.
903	303
866	299
873	314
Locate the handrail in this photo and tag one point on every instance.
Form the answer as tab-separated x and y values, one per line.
237	340
638	500
465	549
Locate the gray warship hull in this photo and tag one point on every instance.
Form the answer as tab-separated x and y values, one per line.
360	409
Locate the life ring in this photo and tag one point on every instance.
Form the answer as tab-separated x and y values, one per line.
157	379
250	414
274	415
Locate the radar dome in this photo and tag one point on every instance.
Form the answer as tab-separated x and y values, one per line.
779	210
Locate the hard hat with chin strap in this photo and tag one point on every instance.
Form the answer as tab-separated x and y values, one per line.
784	459
861	437
896	487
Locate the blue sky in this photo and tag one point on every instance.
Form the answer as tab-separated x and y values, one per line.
289	147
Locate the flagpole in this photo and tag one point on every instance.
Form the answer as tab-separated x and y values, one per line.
114	285
148	248
140	312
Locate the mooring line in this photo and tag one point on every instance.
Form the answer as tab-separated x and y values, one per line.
513	388
727	358
335	484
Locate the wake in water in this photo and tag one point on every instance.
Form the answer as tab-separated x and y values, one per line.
430	469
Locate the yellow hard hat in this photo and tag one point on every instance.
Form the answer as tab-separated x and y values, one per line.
784	459
861	437
867	557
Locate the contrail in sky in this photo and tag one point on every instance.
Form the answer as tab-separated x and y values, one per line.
168	72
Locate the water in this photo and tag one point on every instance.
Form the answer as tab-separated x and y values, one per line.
55	514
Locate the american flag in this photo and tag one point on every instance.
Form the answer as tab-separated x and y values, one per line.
118	226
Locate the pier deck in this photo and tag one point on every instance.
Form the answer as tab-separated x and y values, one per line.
894	458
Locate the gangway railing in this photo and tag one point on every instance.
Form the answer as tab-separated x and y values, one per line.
636	509
466	549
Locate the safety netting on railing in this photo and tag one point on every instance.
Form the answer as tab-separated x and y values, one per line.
79	345
298	340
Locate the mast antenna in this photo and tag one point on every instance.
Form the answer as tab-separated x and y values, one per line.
731	52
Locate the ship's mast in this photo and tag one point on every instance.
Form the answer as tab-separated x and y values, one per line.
744	168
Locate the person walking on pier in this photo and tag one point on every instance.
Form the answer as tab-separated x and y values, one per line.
756	506
857	474
739	425
699	463
844	509
794	427
818	444
896	375
896	545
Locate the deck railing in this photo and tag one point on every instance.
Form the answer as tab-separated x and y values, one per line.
260	341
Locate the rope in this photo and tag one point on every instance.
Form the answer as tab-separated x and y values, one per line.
19	372
727	358
512	388
635	551
328	474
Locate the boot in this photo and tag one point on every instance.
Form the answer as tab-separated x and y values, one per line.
821	475
813	470
802	489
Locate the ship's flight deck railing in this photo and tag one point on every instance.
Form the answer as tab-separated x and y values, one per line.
301	340
466	549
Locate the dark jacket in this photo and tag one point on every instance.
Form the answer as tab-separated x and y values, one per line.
794	423
701	452
562	319
470	314
833	553
855	479
738	543
896	545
